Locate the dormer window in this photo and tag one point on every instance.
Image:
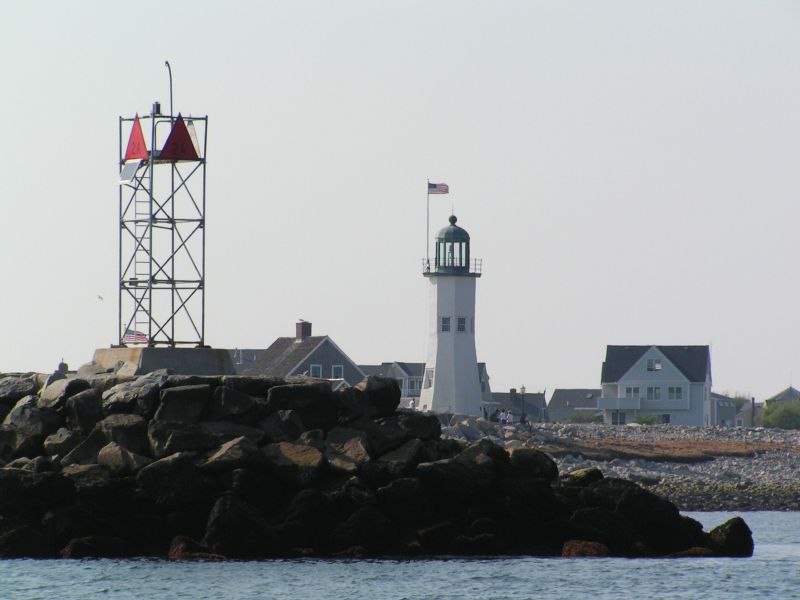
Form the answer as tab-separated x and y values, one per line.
653	364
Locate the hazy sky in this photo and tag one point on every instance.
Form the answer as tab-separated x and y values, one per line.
628	172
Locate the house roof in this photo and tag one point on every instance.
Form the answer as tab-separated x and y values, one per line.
692	361
787	395
515	402
284	354
412	369
574	398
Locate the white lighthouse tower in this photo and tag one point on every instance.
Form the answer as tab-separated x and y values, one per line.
451	383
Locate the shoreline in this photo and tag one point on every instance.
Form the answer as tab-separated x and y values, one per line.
696	468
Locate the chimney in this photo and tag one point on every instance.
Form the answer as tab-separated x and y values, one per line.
302	330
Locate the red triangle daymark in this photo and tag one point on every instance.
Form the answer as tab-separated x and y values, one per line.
179	145
136	148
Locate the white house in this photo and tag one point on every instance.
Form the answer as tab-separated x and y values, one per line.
672	383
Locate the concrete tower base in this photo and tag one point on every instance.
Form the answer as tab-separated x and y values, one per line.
181	361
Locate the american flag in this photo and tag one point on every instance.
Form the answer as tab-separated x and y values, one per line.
438	188
134	337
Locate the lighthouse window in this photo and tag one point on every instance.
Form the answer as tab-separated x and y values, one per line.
461	324
445	323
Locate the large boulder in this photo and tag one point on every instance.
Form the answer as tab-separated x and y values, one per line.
139	396
402	461
238	453
62	442
419	425
404	500
533	463
183	403
313	402
383	435
252	386
346	449
84	410
120	460
29	420
283	426
367	528
373	397
237	529
733	538
231	404
172	481
583	549
129	431
295	462
169	437
13	389
23	542
55	395
657	522
86	452
224	431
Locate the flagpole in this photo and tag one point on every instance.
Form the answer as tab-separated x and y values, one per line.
428	226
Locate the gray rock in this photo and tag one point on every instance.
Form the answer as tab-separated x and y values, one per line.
119	460
346	449
29	420
295	462
173	480
55	395
139	396
62	442
373	397
238	453
13	389
283	426
313	402
228	403
403	460
83	410
129	431
184	403
168	438
223	431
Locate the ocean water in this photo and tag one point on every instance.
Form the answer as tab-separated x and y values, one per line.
773	572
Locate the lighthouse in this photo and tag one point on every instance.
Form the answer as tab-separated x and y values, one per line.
451	382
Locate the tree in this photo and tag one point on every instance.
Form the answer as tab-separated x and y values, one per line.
785	415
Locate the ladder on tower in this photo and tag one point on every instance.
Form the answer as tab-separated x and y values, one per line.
142	267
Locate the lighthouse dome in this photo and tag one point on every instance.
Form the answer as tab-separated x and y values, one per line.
452	233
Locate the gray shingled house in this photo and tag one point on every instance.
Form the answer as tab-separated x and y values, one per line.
565	403
672	383
302	355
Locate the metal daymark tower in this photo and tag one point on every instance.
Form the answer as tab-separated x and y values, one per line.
162	206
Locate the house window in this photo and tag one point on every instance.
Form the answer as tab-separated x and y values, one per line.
337	372
617	417
654	393
445	324
665	419
675	393
315	371
631	392
653	364
461	324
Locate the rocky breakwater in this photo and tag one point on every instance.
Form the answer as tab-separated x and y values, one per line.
236	467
